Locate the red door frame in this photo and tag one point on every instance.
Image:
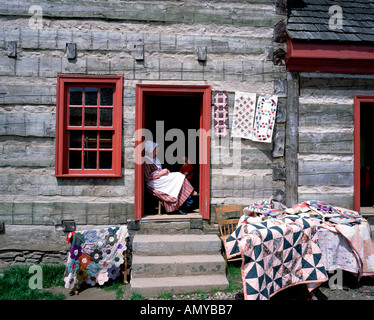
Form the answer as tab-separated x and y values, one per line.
358	99
203	91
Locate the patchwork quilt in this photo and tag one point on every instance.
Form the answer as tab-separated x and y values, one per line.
265	119
358	237
221	113
244	115
277	254
336	252
95	255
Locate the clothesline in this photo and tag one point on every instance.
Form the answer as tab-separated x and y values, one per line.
250	121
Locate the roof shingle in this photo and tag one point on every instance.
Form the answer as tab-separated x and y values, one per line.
309	20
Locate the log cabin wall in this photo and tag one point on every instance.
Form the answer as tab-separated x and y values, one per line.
245	46
326	132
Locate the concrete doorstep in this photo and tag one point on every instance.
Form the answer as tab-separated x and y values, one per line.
177	263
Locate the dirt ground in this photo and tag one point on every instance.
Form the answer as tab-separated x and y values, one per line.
351	290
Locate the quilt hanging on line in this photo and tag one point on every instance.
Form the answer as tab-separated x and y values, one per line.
244	115
277	254
263	126
96	256
221	114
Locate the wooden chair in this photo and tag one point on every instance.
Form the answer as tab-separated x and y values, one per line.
159	207
228	217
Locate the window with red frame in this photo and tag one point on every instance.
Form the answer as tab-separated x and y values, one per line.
89	126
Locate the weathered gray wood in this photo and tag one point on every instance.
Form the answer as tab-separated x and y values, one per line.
278	144
323	167
279	172
326	115
326	173
12	49
326	179
281	111
281	7
344	200
280	87
279	57
139	52
292	138
187	12
71	51
326	142
279	196
279	33
201	53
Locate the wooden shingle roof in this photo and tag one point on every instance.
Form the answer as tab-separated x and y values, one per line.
308	20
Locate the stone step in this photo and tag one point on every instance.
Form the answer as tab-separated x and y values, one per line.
171	226
153	286
157	266
171	245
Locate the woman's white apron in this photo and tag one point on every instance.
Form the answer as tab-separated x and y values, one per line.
170	183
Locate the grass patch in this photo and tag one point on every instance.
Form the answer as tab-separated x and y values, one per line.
234	276
165	295
118	287
137	296
14	283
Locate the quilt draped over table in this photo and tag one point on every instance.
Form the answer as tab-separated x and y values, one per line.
350	238
96	255
276	254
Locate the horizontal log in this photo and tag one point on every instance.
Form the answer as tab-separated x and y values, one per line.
325	115
335	199
326	142
155	12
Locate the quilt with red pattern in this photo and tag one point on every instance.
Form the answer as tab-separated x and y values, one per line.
277	254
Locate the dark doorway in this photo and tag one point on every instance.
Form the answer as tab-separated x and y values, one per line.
366	155
166	116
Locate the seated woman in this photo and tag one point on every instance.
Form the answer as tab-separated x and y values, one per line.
172	188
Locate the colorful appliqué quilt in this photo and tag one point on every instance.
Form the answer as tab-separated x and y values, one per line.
244	113
221	113
96	255
260	206
359	239
336	252
263	126
277	254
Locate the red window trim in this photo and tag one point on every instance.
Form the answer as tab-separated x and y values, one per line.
336	58
358	99
203	91
63	82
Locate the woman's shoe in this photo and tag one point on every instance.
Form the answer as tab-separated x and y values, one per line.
182	212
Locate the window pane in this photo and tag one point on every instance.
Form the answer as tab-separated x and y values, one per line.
90	159
75	116
75	96
105	141
106	96
90	140
105	160
90	117
106	117
75	139
75	159
90	96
